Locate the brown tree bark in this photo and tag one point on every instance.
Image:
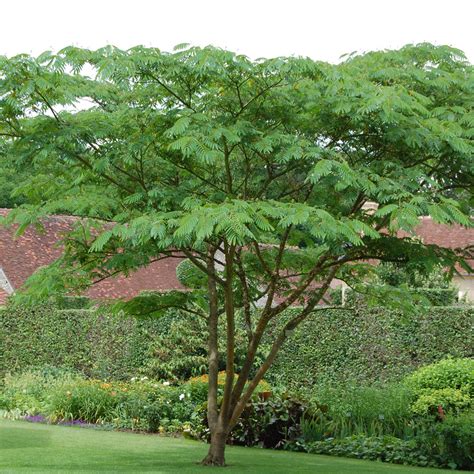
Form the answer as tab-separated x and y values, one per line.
216	454
221	421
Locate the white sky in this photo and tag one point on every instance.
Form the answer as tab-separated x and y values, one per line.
321	29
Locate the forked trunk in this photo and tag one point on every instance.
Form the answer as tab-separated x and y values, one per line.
215	456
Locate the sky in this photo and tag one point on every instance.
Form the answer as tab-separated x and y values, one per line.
320	29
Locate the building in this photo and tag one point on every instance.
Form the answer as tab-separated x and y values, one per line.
20	257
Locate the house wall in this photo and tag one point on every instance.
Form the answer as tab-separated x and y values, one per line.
465	285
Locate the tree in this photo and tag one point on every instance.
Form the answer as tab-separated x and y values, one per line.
256	171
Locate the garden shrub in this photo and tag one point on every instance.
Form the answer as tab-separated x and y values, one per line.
266	422
446	386
435	296
27	392
364	346
87	340
448	444
140	404
447	399
91	401
343	411
448	373
368	346
375	448
457	441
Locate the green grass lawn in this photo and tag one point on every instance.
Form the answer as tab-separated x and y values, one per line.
45	448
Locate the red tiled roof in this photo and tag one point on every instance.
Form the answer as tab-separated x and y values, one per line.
454	236
20	257
447	236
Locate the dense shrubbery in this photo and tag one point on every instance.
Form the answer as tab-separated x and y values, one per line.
374	448
339	346
447	444
445	387
354	410
140	404
269	420
362	422
329	366
426	420
433	296
368	346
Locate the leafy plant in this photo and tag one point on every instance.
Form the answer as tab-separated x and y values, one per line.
445	399
378	448
457	435
269	421
27	391
256	171
448	373
357	410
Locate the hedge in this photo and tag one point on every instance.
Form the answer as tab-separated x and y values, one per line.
436	296
335	346
371	345
96	344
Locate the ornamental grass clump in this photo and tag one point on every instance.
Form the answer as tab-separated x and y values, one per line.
93	401
345	411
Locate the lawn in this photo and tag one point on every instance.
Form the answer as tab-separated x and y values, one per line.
45	448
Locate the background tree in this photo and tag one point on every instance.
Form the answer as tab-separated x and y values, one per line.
256	171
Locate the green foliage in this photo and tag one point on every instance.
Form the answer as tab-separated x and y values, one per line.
359	410
366	346
456	446
179	350
58	396
427	296
370	345
9	181
457	374
448	384
266	422
89	341
26	391
449	399
189	275
200	145
413	275
380	448
85	400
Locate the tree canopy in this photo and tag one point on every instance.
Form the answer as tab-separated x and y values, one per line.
258	172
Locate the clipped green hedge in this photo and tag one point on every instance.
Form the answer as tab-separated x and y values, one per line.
435	296
371	345
335	346
97	344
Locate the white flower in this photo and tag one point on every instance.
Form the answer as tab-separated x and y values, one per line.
144	378
155	385
166	384
181	397
133	379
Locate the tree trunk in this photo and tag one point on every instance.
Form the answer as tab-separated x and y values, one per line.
215	456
